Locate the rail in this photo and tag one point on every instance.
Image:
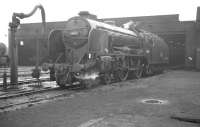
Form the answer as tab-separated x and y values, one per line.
28	81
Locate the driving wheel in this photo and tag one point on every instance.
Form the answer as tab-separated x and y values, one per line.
123	74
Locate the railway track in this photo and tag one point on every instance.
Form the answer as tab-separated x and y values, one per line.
34	101
18	93
24	74
25	92
13	97
47	93
59	93
27	81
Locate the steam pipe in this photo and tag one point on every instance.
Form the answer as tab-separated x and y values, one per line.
22	15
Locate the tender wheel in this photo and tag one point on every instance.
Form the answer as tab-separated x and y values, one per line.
139	69
123	74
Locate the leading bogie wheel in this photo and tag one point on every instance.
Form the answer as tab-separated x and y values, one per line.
63	80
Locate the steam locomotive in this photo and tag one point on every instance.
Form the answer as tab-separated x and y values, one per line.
3	49
3	55
89	49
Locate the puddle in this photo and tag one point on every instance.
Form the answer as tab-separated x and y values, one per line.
154	101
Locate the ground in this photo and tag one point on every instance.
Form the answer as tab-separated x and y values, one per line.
119	105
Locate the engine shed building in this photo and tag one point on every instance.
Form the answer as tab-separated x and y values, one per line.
182	37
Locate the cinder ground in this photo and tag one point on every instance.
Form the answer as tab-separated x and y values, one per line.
119	105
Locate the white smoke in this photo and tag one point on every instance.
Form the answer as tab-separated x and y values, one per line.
87	76
128	24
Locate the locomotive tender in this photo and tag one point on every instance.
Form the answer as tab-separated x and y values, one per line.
88	49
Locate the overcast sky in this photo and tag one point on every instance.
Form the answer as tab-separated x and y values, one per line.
61	10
